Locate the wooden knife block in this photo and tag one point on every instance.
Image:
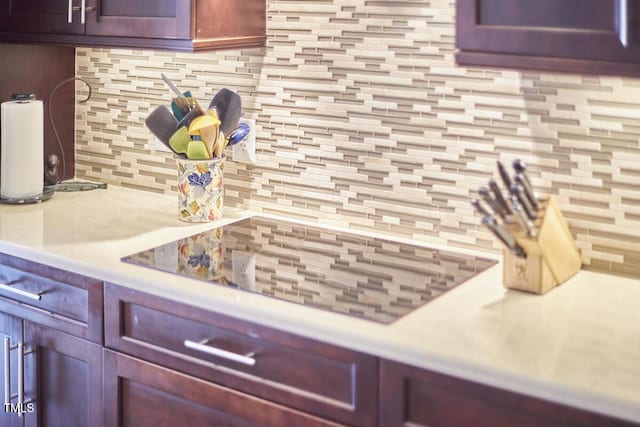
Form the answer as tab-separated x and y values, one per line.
552	256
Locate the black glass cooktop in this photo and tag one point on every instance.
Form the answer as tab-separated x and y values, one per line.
366	277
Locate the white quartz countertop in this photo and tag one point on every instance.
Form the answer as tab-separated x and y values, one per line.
579	344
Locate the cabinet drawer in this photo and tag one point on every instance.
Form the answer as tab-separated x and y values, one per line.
416	397
315	377
143	394
52	297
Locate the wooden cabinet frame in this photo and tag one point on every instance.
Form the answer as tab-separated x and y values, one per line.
558	49
197	25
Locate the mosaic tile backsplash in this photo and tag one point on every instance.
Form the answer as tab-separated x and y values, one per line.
364	120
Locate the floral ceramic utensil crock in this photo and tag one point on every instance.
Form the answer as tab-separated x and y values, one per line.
200	189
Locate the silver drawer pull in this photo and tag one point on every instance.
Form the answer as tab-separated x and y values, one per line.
19	292
245	359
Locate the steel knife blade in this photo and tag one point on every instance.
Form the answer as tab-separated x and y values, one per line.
504	236
504	174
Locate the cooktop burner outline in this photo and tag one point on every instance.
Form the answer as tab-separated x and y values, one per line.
367	277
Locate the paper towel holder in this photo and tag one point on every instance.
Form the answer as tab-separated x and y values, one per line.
23	96
52	161
54	181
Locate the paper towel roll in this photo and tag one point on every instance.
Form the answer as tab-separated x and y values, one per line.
22	149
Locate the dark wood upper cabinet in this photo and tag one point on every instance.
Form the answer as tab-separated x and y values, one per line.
586	36
33	16
156	24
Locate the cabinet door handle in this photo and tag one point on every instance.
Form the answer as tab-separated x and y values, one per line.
22	404
622	24
20	292
7	371
20	377
70	9
85	9
245	359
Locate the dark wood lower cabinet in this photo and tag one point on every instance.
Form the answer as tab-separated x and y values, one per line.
305	375
142	394
62	377
65	373
416	397
164	363
11	328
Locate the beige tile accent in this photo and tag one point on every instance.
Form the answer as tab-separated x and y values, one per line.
365	120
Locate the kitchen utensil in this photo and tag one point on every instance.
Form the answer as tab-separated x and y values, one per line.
229	107
197	150
207	126
162	123
180	140
521	179
174	106
499	198
171	85
479	208
188	118
220	144
183	104
521	168
238	134
517	191
521	217
504	236
486	196
504	175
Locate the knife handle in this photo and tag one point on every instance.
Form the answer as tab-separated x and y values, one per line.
522	180
524	222
499	198
521	168
479	208
171	85
516	190
486	196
